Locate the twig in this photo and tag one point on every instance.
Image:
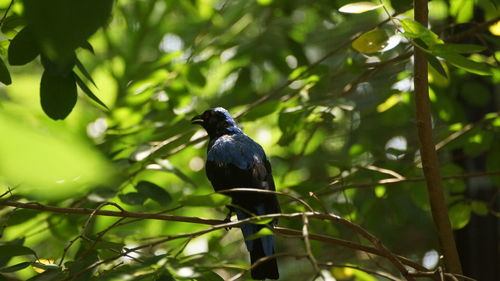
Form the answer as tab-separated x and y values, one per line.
6	12
391	181
307	244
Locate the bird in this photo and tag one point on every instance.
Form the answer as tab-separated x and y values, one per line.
234	160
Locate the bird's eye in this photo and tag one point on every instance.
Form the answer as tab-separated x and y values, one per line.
205	115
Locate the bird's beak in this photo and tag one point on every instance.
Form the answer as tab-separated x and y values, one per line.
197	120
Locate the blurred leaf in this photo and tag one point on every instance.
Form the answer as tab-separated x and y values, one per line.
101	244
15	267
371	42
209	200
459	215
389	103
359	7
457	48
479	208
209	276
21	216
88	92
56	161
262	110
42	265
48	275
57	95
15	250
466	64
62	25
475	93
262	232
12	21
195	76
23	48
4	74
133	198
154	192
492	163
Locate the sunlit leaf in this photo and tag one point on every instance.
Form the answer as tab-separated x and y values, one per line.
262	110
209	200
42	265
359	7
55	160
389	103
262	232
371	42
459	215
414	29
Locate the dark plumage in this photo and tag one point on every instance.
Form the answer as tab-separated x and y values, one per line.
234	160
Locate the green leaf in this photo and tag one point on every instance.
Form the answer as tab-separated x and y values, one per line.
195	76
416	30
436	64
62	25
479	208
87	46
4	74
15	267
88	92
459	215
101	244
154	192
84	71
23	48
15	250
209	276
457	48
132	198
21	216
57	94
265	231
371	42
12	22
262	110
209	200
466	64
48	275
359	7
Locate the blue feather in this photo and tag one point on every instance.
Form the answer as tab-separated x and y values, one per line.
249	229
237	149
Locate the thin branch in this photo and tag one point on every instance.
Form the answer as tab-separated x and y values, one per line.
390	181
307	243
430	163
6	12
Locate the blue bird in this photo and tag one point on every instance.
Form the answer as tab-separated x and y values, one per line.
234	160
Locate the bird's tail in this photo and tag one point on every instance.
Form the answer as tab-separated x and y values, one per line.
259	248
267	268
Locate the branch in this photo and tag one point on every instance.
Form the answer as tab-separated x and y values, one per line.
428	152
390	181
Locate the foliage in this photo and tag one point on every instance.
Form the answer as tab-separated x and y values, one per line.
324	86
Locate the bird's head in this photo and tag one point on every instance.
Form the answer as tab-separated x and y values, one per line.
217	122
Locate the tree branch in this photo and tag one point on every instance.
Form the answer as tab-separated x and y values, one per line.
430	161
